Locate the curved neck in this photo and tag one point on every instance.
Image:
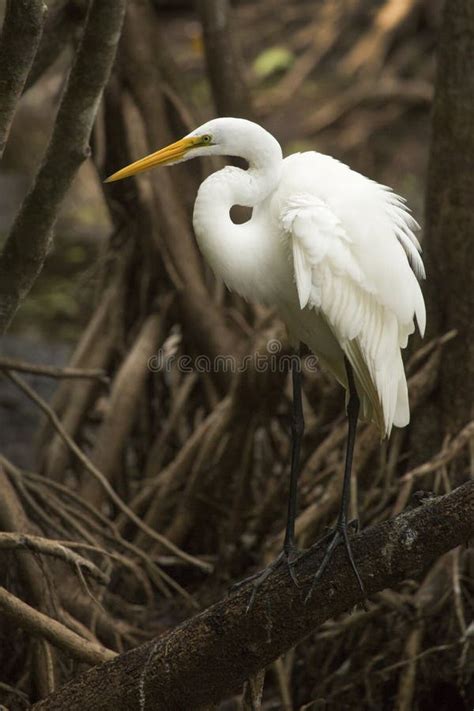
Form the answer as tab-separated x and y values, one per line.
230	248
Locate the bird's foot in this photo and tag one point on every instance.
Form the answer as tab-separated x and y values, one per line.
287	557
336	536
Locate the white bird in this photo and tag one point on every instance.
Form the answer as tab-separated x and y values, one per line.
333	251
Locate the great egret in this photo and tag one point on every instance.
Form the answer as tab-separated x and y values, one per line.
334	252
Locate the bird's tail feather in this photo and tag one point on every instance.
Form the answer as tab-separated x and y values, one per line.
383	393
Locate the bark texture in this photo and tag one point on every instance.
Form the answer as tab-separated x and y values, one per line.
450	218
211	655
31	235
21	34
230	92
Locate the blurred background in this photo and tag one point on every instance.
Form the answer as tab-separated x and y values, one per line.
203	458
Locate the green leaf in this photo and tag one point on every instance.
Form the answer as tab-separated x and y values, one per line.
272	60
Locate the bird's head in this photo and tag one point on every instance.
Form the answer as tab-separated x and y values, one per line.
222	136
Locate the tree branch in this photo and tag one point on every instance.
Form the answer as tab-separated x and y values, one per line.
62	29
21	33
230	92
52	371
31	235
99	477
450	225
124	402
210	656
58	634
38	544
34	577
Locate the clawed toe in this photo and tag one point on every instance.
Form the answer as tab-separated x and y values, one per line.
333	539
288	558
291	557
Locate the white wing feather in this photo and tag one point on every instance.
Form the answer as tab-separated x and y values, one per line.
358	276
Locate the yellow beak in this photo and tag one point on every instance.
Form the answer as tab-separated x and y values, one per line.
165	156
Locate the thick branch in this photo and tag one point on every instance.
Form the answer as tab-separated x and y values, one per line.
211	655
124	403
21	34
30	237
450	222
61	29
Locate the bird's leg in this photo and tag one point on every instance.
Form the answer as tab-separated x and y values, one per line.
289	554
297	430
340	533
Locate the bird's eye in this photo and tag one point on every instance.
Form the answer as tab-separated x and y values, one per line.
206	138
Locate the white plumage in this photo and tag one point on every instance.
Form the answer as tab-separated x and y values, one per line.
348	238
333	251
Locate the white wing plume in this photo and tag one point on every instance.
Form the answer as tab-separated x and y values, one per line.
353	266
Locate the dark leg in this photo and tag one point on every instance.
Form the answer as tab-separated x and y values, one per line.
297	430
340	532
289	553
